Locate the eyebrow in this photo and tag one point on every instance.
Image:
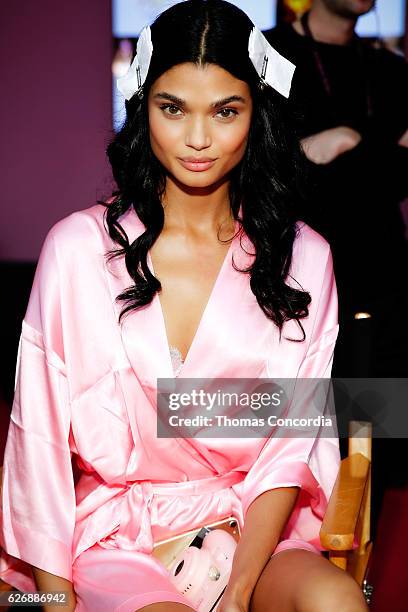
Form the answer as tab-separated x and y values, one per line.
164	95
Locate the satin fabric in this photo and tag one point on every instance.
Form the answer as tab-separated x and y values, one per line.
86	390
109	579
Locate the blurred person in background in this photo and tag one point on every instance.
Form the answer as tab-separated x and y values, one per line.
351	102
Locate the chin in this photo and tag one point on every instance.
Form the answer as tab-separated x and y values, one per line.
363	6
199	180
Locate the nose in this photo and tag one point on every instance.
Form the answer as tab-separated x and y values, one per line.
198	134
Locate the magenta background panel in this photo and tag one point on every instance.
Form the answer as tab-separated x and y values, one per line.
56	115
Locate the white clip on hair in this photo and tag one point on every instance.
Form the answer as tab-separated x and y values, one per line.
133	80
272	68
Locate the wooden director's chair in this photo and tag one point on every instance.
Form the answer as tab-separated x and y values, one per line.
347	518
345	530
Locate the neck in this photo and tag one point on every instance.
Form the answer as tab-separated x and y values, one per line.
329	27
198	211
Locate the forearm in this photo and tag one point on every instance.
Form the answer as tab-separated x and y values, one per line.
49	582
265	519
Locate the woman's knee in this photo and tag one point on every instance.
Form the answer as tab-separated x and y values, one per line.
300	581
337	593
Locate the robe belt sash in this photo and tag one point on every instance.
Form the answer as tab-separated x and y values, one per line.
135	531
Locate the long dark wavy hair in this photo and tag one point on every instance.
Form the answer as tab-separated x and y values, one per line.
267	181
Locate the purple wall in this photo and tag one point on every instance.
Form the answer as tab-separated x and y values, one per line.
56	115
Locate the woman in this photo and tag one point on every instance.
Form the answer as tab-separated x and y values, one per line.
213	265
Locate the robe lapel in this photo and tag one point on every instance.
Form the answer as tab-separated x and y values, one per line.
232	340
141	330
230	308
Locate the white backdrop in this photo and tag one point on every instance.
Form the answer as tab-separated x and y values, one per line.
129	16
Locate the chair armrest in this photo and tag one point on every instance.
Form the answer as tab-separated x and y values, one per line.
339	524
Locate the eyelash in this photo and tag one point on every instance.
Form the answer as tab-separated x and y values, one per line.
167	106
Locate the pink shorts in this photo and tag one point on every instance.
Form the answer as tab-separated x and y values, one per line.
116	580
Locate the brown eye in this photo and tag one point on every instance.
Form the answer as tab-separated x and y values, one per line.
170	109
227	113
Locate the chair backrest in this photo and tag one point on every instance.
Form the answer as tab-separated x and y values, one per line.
345	531
360	441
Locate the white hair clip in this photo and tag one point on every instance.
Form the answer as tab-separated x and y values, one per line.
133	80
273	69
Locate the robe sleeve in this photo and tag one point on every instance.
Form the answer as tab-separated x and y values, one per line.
38	494
309	463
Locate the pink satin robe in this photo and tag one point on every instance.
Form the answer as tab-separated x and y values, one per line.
86	386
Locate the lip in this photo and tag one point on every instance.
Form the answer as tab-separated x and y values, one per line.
197	164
